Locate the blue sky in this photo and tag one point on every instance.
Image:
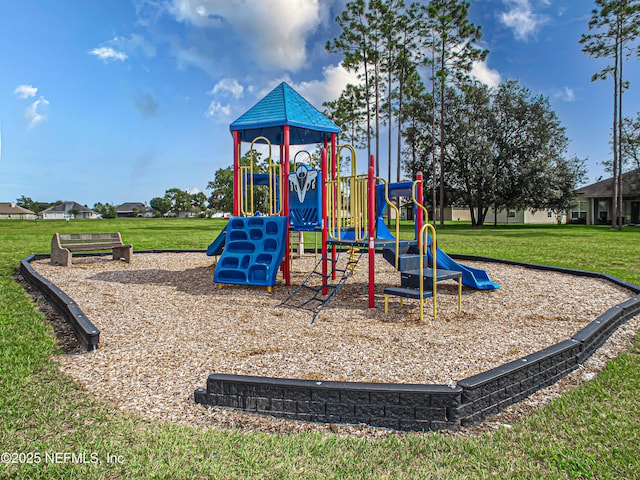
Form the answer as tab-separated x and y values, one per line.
119	101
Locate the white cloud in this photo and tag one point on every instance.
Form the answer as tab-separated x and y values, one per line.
276	30
132	44
25	91
108	53
564	94
481	72
227	86
521	18
334	80
34	113
120	47
217	111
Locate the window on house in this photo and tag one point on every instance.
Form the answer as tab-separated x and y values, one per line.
512	214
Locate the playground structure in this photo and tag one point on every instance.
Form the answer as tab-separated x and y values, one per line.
347	208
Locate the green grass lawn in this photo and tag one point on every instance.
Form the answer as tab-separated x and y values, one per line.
45	417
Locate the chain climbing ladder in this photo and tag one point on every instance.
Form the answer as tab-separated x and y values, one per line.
308	296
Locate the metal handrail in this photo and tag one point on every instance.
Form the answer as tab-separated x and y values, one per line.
425	228
295	163
397	223
246	180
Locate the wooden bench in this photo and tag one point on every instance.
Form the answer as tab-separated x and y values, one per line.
63	244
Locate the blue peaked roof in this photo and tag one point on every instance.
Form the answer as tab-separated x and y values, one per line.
284	106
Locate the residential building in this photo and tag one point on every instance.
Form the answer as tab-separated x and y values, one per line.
510	215
11	211
133	209
67	211
594	203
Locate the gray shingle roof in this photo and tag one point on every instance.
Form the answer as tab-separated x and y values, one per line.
604	188
8	208
66	207
131	206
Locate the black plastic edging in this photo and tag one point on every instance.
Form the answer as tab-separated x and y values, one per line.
398	406
468	403
85	331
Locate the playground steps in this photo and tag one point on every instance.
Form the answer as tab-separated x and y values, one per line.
407	292
409	268
308	296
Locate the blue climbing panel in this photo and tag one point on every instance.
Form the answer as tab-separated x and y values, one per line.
305	207
254	249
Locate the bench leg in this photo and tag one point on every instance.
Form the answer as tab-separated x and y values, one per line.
123	253
61	256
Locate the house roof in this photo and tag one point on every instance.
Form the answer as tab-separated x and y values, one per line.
604	188
131	206
65	207
284	106
8	208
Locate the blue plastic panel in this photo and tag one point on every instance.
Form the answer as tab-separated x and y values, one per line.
254	251
305	207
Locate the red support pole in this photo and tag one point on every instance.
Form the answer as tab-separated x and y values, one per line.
284	188
237	196
371	205
419	212
334	175
325	223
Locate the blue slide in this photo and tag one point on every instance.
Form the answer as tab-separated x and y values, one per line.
471	277
218	244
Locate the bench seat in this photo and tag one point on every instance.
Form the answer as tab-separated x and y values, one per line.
64	244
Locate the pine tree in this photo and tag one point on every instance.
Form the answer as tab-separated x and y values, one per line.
453	40
616	25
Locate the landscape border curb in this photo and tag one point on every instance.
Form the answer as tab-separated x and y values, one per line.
414	407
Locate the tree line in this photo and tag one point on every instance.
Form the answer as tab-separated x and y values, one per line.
482	147
176	201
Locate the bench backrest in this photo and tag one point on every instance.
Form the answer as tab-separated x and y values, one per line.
102	238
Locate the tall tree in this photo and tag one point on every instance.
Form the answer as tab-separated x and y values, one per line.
161	205
631	142
221	198
615	25
375	15
180	200
355	43
222	188
106	210
348	112
402	27
454	40
199	202
470	151
35	207
505	148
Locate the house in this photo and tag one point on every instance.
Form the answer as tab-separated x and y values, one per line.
594	203
133	209
510	215
67	211
11	211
